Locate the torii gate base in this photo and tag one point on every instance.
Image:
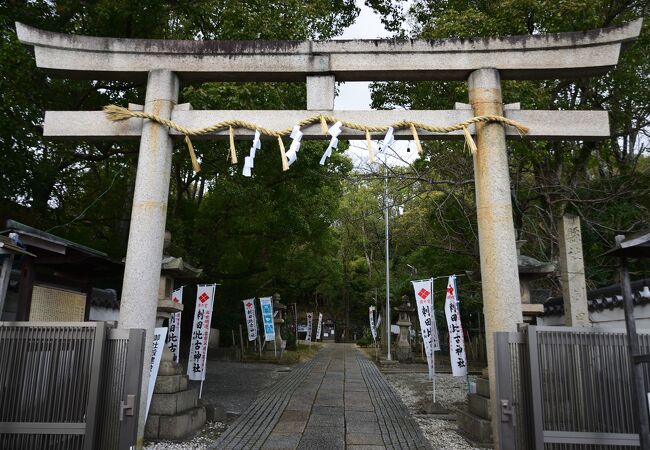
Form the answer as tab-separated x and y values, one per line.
482	62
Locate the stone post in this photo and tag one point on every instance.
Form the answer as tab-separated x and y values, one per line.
500	279
146	234
574	287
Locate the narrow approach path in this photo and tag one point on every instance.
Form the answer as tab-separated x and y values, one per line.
337	400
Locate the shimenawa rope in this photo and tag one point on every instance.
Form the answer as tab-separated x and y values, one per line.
118	113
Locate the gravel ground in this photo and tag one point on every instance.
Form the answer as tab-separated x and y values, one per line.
415	391
207	435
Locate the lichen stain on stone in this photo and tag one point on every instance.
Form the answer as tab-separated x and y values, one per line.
210	47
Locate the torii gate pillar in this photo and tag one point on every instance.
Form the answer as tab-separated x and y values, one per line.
499	274
148	216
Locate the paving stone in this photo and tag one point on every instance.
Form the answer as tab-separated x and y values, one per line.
323	438
339	398
329	401
294	415
326	420
320	409
365	447
356	387
359	406
363	427
363	439
290	426
360	416
282	441
357	397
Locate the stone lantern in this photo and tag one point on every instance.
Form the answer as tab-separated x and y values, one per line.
279	311
404	311
175	411
530	269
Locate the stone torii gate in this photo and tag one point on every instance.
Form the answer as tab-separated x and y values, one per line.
483	62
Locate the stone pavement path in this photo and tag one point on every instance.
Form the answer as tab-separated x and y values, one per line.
337	400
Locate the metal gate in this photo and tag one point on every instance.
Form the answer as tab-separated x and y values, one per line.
566	388
55	378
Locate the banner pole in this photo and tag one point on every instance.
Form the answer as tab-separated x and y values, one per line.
433	348
275	347
201	389
241	344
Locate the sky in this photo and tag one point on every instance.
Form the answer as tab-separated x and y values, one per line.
356	95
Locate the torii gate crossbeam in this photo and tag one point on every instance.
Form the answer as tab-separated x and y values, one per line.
482	62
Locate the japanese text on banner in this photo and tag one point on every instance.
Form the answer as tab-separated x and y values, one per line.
200	331
456	338
266	304
175	325
310	319
424	304
251	318
371	317
319	326
159	336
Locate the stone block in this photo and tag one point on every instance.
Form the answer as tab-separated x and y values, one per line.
181	425
474	428
169	368
479	405
483	387
214	412
167	384
152	426
183	383
170	404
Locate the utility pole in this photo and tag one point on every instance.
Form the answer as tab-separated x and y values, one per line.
388	356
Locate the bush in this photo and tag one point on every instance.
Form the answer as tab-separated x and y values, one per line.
291	341
364	341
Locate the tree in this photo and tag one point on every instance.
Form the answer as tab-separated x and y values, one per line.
605	182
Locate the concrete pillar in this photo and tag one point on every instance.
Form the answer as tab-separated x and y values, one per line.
499	274
147	230
321	90
572	265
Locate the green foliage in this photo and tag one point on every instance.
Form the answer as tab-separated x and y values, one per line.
291	342
605	183
365	341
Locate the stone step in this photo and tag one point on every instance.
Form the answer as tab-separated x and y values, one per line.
168	384
483	387
479	405
174	403
474	428
174	427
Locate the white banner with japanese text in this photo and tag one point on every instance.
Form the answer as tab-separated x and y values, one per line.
456	338
200	331
266	304
175	325
159	336
251	318
371	317
310	319
424	304
319	326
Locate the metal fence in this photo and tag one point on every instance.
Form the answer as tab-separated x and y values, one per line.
566	388
120	388
55	377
